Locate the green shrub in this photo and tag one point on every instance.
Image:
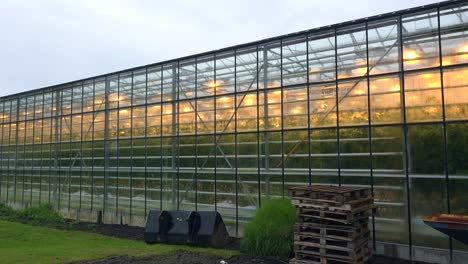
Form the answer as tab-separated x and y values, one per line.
7	212
271	232
42	214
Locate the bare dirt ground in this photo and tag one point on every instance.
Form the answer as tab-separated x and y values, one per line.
185	257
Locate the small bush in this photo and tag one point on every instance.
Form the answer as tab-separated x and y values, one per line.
42	214
271	232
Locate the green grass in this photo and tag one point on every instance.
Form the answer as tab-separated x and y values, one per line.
21	243
271	231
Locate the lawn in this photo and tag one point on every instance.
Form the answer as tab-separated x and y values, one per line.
20	243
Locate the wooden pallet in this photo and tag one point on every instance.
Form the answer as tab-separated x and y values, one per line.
303	250
332	205
329	193
338	232
321	240
316	215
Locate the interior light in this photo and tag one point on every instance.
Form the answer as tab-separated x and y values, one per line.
249	102
435	84
296	110
446	63
359	92
186	109
214	84
395	87
410	56
464	50
224	99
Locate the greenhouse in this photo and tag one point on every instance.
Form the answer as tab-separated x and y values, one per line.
379	102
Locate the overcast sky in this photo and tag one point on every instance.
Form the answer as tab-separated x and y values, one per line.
47	42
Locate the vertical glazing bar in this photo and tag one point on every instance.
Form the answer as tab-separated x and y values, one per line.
257	121
215	138
33	152
266	142
146	144
161	163
177	134
309	150
196	134
444	121
369	125
405	135
117	164
337	110
70	144
236	108
58	110
130	196
16	148
175	205
106	145
92	145
81	146
282	119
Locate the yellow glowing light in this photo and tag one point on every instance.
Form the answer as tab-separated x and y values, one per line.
383	79
359	92
224	99
324	106
98	102
427	75
464	50
168	112
186	109
374	87
248	102
277	92
435	84
296	111
446	63
125	111
395	88
431	109
214	84
410	54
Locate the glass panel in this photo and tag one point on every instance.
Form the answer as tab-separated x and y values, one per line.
454	34
352	102
457	140
391	223
295	107
225	72
246	69
423	96
456	93
269	63
427	182
322	105
294	68
322	63
351	52
385	100
383	46
420	40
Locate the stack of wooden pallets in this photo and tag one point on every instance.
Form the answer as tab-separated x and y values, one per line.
332	224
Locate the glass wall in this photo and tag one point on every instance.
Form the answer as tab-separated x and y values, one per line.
381	103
